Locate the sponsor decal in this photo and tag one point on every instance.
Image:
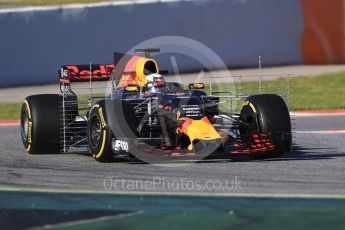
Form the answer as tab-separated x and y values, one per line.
120	145
245	103
191	110
82	72
102	117
250	104
29	132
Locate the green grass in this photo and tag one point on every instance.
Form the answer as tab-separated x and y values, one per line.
10	111
322	92
307	93
45	2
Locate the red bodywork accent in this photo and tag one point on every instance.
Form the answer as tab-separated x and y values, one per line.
260	143
131	77
82	72
64	81
186	123
205	119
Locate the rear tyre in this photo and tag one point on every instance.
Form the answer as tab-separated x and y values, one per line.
267	114
40	125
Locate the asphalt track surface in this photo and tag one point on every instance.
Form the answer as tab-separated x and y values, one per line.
316	166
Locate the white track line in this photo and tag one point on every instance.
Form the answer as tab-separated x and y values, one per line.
317	113
81	6
334	131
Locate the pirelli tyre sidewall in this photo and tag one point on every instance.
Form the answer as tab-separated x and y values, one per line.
265	114
99	134
26	126
39	123
117	123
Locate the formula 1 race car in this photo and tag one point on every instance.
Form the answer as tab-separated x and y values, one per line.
143	116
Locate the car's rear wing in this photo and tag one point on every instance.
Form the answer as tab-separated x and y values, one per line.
92	72
83	73
123	65
95	72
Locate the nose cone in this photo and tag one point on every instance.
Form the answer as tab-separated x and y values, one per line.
200	131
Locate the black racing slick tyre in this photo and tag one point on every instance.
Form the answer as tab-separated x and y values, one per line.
39	123
99	133
109	119
267	114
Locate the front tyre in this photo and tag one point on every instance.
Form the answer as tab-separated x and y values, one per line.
266	115
99	134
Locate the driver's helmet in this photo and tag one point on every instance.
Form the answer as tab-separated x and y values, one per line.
156	83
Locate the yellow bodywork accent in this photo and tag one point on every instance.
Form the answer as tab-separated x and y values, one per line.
131	88
139	69
199	85
135	72
201	130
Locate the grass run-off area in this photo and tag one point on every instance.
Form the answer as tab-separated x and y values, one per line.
307	93
47	2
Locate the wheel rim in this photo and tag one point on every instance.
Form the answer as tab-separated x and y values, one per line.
249	125
24	125
95	132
